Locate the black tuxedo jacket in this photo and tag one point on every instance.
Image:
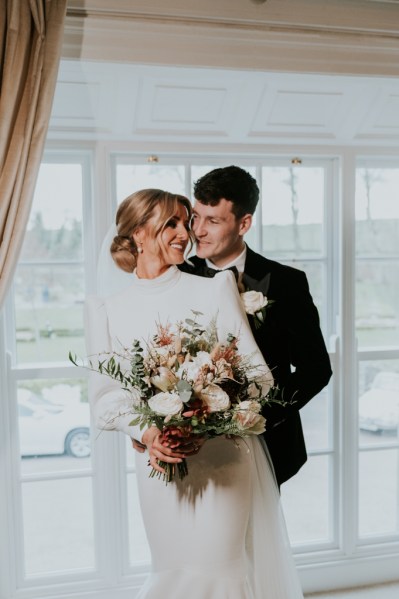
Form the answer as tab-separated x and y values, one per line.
291	342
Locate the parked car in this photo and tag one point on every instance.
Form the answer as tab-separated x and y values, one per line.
35	401
46	429
379	406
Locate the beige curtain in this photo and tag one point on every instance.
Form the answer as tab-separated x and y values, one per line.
30	48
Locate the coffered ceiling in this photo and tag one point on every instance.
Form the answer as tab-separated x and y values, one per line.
115	101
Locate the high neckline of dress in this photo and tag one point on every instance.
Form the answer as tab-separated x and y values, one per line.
167	279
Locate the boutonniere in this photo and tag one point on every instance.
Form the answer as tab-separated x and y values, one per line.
255	304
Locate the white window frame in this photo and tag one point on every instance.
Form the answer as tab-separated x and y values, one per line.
376	353
344	561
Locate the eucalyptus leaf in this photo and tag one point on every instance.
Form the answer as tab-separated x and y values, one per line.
183	386
185	396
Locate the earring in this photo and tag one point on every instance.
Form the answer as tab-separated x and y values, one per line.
140	248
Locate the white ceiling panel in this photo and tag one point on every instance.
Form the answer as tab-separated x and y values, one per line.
304	109
382	118
389	115
76	100
84	99
186	105
194	105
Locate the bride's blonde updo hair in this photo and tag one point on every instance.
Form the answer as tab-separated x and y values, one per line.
134	212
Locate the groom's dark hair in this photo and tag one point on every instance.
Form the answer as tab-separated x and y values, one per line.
233	184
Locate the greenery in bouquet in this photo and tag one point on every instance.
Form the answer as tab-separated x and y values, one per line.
186	382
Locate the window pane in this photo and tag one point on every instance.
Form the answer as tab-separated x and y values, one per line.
292	210
378	401
132	177
377	238
307	502
54	425
315	421
378	492
198	171
58	525
49	312
139	550
315	274
377	211
54	230
377	305
251	237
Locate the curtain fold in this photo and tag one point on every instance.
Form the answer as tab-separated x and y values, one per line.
31	33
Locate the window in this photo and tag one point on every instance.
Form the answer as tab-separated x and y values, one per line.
377	332
54	523
73	503
292	229
49	285
289	226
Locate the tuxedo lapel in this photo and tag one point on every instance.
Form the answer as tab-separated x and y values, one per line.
252	284
256	274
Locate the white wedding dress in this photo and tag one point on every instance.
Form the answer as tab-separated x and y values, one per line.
219	533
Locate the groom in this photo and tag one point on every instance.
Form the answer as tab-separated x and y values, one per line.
289	337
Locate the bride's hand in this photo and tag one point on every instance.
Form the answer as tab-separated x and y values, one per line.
152	438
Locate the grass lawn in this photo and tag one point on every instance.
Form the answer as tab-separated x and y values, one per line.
55	349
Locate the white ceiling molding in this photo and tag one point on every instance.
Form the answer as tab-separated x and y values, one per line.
373	16
321	36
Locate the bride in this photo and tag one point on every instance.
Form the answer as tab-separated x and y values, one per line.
219	533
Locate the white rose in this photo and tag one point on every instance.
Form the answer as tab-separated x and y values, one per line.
215	398
250	422
188	370
253	301
164	380
166	404
250	406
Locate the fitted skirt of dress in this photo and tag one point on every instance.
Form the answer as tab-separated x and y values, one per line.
219	533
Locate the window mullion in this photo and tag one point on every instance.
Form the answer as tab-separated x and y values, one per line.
348	361
259	227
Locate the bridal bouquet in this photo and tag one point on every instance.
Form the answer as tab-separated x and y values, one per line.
187	383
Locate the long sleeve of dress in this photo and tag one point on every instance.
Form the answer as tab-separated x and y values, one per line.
110	405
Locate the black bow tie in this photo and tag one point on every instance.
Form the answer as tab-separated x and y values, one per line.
211	272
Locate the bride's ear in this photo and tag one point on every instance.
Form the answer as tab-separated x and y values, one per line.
138	236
